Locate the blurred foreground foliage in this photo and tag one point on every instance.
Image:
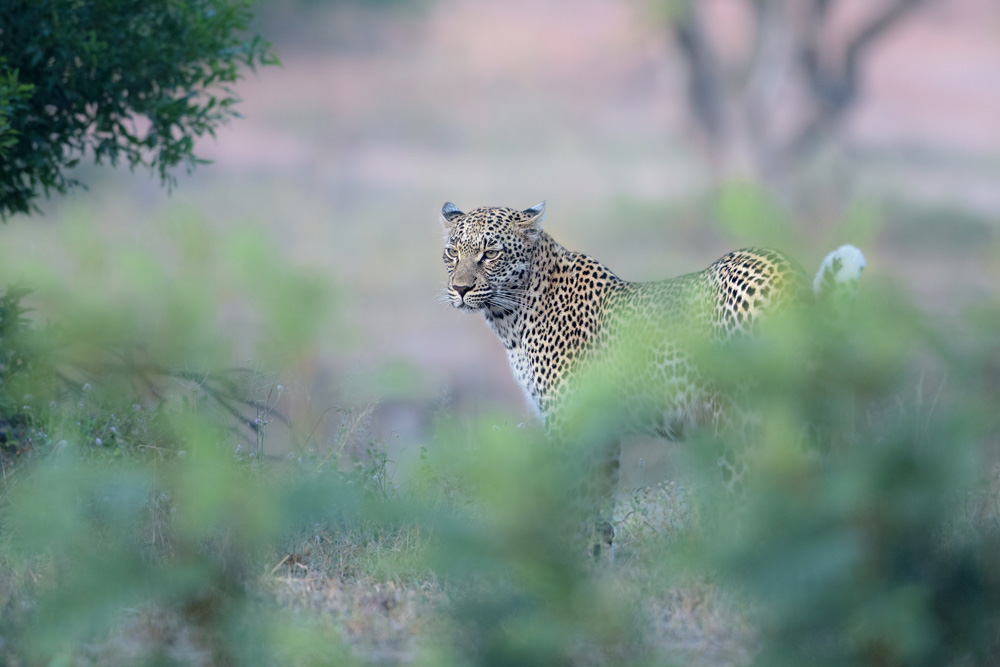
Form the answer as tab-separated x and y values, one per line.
867	535
874	540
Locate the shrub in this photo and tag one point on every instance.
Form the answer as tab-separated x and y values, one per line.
16	362
871	545
125	80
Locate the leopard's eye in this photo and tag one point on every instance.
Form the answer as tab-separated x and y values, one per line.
491	254
450	253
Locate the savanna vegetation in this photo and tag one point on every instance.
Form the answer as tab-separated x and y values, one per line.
125	82
163	501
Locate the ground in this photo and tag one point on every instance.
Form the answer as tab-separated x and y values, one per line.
347	152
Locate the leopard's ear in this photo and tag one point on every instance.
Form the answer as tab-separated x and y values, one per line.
531	219
449	213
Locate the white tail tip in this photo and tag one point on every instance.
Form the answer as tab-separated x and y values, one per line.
843	265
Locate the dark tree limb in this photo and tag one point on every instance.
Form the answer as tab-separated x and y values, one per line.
737	105
835	88
705	85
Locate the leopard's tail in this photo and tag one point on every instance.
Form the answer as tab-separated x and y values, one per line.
836	282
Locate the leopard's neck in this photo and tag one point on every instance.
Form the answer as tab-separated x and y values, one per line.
546	259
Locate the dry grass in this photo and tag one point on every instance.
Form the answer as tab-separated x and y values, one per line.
381	621
368	591
350	584
341	164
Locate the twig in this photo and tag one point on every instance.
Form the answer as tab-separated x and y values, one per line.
280	563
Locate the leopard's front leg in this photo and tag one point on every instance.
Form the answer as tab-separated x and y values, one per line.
595	489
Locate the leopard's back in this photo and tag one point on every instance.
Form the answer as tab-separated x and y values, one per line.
565	318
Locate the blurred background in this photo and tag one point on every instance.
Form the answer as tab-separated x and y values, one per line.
662	134
283	303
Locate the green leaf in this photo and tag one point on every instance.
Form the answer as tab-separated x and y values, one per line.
71	72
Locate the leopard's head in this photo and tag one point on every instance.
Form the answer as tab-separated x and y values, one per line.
487	253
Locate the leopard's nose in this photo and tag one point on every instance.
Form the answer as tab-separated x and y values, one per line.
461	289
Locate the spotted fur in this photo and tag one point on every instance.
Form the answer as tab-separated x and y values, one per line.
559	313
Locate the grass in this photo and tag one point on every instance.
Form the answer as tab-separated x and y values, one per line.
294	527
290	529
207	515
369	583
246	505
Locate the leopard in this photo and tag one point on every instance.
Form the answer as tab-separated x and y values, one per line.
561	314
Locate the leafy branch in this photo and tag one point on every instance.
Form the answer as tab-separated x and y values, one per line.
120	80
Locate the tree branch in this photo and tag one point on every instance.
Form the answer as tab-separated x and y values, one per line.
703	76
835	88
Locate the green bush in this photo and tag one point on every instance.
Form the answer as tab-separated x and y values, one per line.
867	534
122	80
16	362
873	542
127	495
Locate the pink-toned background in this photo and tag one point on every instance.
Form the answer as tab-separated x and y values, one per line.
346	153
